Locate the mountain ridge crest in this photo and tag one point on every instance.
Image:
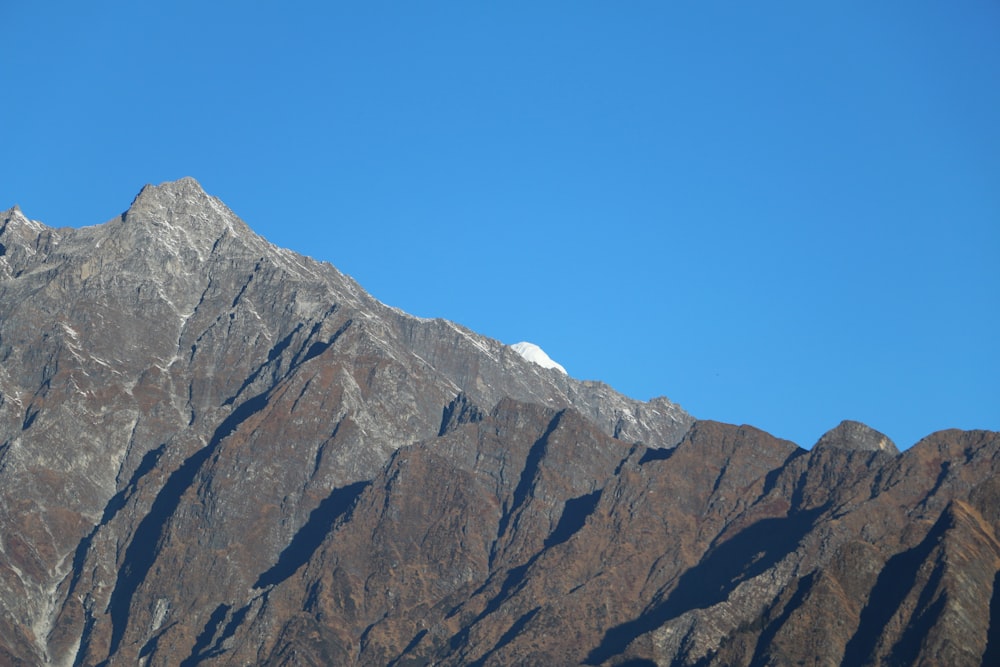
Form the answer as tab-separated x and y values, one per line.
217	451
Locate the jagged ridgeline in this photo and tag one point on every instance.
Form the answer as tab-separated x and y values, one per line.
216	451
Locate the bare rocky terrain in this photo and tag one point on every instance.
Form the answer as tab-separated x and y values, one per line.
215	451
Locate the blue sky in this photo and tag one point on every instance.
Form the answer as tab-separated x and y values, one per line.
776	213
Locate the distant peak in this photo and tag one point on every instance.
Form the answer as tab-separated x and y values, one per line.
180	214
857	436
182	183
179	201
14	212
185	184
537	355
16	216
183	188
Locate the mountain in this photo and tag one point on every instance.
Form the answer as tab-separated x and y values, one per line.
215	451
537	355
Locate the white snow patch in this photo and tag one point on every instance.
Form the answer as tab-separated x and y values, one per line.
537	355
70	331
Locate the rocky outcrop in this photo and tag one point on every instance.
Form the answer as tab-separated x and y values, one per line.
215	451
855	435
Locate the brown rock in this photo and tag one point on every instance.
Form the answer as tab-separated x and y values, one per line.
214	451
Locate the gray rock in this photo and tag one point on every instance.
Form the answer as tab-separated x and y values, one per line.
857	436
216	451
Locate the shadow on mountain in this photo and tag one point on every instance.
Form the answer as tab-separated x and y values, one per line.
511	584
894	583
760	655
202	642
525	484
111	509
145	542
414	643
574	515
312	534
992	654
657	454
508	636
459	411
319	347
117	502
771	479
272	354
744	556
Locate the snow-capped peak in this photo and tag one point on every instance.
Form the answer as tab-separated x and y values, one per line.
537	355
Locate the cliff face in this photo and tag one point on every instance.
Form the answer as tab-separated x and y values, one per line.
215	451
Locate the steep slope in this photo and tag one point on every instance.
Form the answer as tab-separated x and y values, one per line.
214	451
148	359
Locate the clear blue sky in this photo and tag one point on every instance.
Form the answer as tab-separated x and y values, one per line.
777	213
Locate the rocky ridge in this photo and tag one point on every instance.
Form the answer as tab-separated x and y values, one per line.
215	451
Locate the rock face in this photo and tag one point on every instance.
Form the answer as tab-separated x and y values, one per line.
855	435
215	451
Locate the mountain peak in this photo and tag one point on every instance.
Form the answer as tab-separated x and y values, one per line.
21	240
16	216
850	434
185	193
216	451
180	213
537	355
185	185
